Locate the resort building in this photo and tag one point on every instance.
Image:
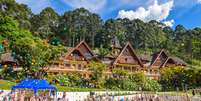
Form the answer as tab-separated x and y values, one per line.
122	57
75	60
7	60
128	60
161	60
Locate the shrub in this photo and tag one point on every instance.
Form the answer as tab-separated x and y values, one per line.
177	77
133	82
63	80
152	85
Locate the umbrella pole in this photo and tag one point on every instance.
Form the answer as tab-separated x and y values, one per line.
35	92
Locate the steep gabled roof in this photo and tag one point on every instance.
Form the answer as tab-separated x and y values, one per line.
132	50
168	60
7	57
177	61
77	49
156	55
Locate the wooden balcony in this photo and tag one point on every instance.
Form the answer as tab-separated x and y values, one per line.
66	70
17	68
152	74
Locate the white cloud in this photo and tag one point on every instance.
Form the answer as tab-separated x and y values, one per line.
169	23
92	5
36	6
155	11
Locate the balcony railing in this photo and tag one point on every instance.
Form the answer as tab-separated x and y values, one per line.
152	74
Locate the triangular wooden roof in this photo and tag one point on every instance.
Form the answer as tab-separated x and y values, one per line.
7	57
132	50
156	56
168	59
77	48
175	61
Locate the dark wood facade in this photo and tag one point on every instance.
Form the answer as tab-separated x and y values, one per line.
161	60
76	59
7	60
128	60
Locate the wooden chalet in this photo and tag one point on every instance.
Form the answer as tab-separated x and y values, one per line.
7	60
128	60
160	60
123	58
75	60
111	57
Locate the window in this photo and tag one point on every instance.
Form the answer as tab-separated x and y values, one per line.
67	65
85	75
73	66
56	64
126	59
79	67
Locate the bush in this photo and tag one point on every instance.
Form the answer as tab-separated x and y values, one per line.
133	82
129	85
63	80
152	85
171	78
177	77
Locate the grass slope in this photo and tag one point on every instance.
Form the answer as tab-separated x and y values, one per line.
6	85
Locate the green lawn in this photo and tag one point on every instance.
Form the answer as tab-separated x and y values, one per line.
73	89
6	85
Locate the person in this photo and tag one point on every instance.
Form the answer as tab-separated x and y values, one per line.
193	92
64	97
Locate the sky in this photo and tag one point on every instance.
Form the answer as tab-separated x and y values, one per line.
169	12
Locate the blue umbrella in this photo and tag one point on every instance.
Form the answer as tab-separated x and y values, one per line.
34	84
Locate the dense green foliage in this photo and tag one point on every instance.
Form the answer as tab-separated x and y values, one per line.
136	81
31	52
176	78
97	74
80	24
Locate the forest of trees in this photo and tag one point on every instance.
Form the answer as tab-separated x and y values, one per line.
70	28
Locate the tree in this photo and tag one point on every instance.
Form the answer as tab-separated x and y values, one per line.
34	54
102	52
45	24
95	26
178	77
111	28
79	24
19	12
30	52
97	70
